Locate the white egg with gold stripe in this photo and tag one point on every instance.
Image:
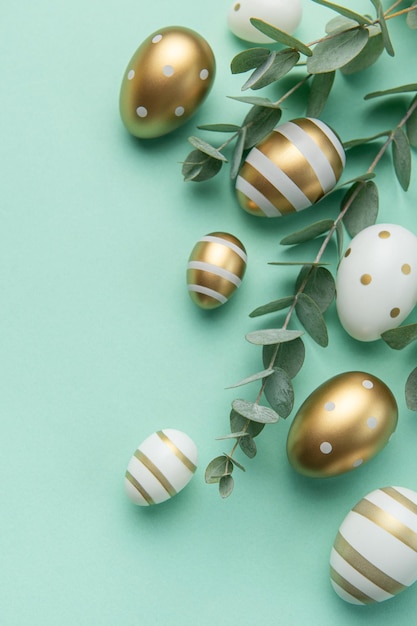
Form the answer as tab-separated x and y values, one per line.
374	555
215	269
291	169
161	467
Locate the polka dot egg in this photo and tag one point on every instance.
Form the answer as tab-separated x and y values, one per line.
283	14
215	269
374	555
344	423
165	81
161	466
291	169
376	281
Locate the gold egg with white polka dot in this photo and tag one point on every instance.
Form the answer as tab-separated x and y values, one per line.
166	80
343	424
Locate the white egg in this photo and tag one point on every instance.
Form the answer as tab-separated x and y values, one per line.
161	466
374	555
376	281
283	14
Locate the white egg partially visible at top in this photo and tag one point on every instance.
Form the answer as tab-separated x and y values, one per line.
283	14
376	281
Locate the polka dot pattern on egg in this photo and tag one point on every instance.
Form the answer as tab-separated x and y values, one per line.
376	284
341	425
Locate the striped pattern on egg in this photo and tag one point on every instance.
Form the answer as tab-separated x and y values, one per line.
161	467
215	269
291	169
374	555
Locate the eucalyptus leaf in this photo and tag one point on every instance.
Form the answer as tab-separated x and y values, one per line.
400	337
248	446
321	86
384	29
339	23
357	17
392	92
238	153
199	167
233	436
353	143
412	125
288	356
240	423
311	318
272	307
272	335
412	16
281	64
260	71
288	263
363	211
367	57
333	53
261	102
280	393
339	238
217	468
320	285
253	378
259	122
411	391
308	233
234	462
401	154
226	485
255	412
280	36
206	148
220	128
248	60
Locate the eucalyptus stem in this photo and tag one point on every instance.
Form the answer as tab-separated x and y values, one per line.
402	12
321	251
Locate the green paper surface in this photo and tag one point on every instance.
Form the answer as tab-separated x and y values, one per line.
101	345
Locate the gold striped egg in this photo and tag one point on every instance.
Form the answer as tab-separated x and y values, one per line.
374	555
161	467
291	169
167	78
344	423
215	269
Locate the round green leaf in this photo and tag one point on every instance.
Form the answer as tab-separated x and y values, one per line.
411	391
280	393
320	285
255	412
226	485
242	424
217	468
400	337
289	356
311	318
248	446
331	54
272	335
363	211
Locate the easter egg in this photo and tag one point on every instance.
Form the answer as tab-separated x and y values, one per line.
165	81
374	555
161	466
344	423
291	169
376	282
283	14
215	269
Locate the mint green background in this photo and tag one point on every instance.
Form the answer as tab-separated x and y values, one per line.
101	345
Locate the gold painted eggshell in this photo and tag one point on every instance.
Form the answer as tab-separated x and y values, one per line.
344	423
167	78
161	466
291	169
374	555
215	269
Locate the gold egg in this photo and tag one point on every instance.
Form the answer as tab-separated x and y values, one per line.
344	423
215	269
291	169
165	81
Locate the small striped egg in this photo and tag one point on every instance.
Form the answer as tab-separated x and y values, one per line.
162	465
215	269
374	555
291	169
